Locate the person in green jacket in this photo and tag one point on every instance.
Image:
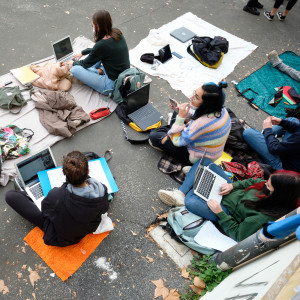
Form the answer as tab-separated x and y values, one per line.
246	205
106	60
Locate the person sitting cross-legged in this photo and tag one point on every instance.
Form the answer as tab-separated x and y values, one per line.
283	154
246	205
203	124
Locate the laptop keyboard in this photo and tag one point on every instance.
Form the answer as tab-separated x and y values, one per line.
206	183
37	191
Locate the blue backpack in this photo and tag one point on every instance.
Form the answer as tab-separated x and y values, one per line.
186	225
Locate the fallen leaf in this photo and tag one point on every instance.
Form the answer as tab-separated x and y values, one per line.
165	293
133	233
118	220
153	208
199	283
34	277
67	12
196	289
163	216
3	288
194	252
173	295
138	250
185	273
19	274
158	283
150	259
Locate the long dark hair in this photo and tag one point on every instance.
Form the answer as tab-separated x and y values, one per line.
213	100
284	198
75	167
103	26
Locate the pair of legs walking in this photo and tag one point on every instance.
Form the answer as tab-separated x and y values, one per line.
92	78
281	16
256	141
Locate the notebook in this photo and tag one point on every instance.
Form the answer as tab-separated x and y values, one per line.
183	34
98	169
164	54
27	176
25	75
139	110
207	183
63	50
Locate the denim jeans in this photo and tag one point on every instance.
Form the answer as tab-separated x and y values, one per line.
194	203
181	154
257	142
91	77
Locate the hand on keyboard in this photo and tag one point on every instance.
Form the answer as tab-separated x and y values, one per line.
226	188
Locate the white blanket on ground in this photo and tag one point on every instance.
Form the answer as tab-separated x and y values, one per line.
187	74
85	97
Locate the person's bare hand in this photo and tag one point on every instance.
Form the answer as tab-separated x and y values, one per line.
214	206
267	123
226	188
275	121
183	110
77	56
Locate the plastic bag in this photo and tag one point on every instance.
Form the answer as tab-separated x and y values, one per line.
105	224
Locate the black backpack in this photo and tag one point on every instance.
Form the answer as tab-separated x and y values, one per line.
208	51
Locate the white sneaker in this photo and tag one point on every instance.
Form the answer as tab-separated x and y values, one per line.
186	169
171	198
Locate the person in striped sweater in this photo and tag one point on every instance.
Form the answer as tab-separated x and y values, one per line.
201	124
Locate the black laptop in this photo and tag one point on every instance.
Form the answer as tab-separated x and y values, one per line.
140	111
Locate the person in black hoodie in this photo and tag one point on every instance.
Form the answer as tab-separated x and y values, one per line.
69	212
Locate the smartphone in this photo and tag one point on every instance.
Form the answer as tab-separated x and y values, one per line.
173	102
177	55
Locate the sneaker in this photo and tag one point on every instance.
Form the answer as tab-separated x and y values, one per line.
171	198
156	148
259	5
251	10
186	169
274	58
280	16
267	14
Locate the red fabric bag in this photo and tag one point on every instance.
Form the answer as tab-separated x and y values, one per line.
99	113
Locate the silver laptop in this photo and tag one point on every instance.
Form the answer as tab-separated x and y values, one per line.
140	111
63	50
183	34
27	177
207	183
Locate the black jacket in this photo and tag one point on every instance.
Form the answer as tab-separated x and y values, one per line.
289	150
69	218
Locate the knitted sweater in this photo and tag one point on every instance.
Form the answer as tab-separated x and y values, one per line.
205	133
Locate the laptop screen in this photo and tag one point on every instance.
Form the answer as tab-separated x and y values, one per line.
138	98
29	167
63	48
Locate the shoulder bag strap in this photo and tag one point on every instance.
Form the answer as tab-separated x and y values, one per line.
134	142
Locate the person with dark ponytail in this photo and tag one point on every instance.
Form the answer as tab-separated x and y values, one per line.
106	60
203	124
69	212
246	205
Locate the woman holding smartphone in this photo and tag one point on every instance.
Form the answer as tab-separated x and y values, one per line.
199	125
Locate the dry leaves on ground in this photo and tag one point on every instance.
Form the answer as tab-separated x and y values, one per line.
185	273
33	276
3	288
161	290
150	259
133	233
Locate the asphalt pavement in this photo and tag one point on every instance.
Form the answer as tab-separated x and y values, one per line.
27	28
